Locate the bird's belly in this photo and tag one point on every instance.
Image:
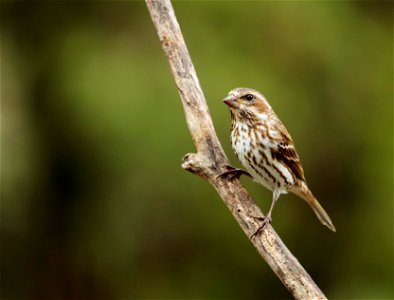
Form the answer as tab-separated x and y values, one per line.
258	162
259	173
254	163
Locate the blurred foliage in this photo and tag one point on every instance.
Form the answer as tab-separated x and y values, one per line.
94	203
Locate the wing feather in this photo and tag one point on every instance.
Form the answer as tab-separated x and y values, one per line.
286	153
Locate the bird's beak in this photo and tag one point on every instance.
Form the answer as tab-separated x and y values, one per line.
231	101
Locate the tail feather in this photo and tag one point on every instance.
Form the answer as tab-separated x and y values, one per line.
307	195
321	214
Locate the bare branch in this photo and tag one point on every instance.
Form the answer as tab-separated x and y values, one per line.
210	160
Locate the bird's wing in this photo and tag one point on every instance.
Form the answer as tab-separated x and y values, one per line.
286	153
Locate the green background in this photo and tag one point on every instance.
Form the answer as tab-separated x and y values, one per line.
94	203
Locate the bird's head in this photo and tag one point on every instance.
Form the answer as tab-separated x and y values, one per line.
243	101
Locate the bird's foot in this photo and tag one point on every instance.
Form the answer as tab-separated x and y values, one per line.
266	220
232	173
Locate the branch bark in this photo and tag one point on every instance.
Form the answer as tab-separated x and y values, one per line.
210	160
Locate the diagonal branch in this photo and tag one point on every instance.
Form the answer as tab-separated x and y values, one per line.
210	160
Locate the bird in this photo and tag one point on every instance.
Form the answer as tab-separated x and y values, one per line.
266	150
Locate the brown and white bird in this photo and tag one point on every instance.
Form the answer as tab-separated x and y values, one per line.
265	148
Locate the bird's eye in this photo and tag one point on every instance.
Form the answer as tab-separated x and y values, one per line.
248	97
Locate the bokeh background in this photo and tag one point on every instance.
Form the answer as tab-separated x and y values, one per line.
94	203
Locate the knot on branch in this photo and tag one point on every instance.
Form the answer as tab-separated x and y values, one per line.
197	164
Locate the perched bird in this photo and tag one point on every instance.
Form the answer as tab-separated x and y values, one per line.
265	148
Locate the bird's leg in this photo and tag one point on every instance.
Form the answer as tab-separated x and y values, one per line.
232	173
268	217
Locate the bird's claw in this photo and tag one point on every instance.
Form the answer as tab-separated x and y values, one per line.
232	173
266	221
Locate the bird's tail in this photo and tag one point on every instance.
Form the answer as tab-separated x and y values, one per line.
307	195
